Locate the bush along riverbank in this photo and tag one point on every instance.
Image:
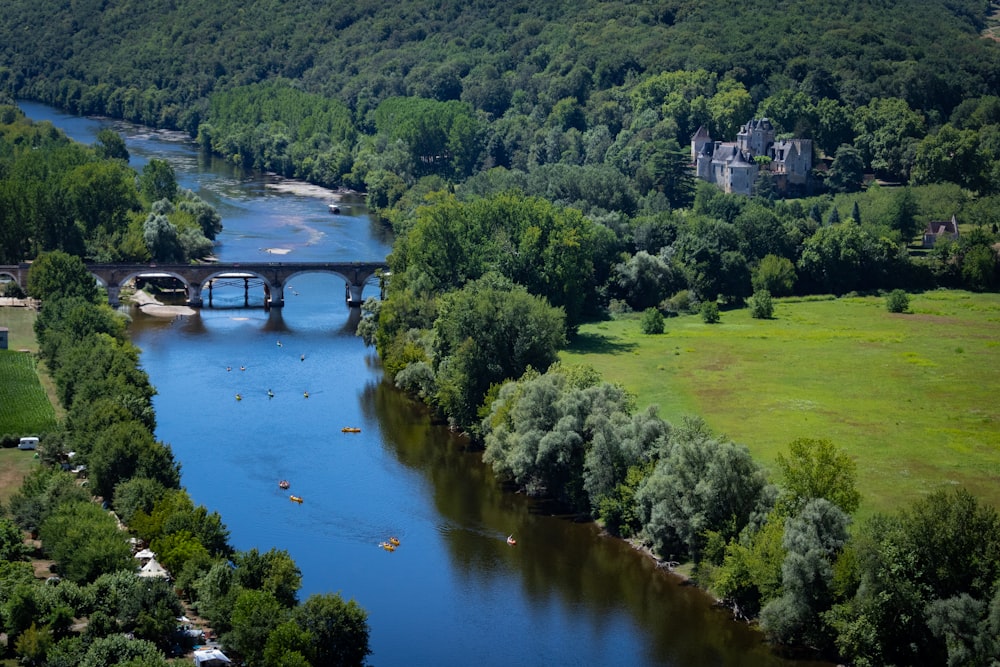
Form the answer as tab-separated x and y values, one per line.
250	598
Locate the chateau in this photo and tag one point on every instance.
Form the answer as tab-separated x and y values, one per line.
733	166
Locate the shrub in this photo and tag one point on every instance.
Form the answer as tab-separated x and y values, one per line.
652	321
761	305
898	301
681	303
710	312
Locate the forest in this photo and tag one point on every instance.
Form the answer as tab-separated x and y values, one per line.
533	160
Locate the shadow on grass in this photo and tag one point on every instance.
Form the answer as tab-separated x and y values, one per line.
598	344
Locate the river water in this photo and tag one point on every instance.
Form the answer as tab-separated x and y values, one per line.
453	593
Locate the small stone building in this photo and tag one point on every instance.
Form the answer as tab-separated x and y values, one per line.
938	229
734	166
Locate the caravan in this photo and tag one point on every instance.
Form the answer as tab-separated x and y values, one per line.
30	442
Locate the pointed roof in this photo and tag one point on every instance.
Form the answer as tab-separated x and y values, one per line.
153	569
701	133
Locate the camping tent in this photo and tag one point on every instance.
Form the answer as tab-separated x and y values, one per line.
210	657
145	553
153	569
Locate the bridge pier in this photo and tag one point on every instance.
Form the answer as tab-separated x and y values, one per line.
274	297
354	295
114	292
194	295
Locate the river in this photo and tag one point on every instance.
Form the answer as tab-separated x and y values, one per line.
454	592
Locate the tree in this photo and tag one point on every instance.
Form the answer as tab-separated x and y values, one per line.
158	181
898	301
951	155
652	321
846	171
841	258
888	132
775	275
120	650
813	538
12	546
162	238
128	450
273	571
761	305
942	547
487	332
255	615
57	275
540	428
644	280
702	485
33	644
710	312
338	629
85	541
902	214
110	145
817	469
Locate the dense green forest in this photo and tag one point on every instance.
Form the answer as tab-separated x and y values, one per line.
299	87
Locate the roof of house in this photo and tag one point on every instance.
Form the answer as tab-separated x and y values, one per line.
936	227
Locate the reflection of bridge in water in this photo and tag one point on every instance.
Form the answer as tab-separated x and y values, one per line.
272	276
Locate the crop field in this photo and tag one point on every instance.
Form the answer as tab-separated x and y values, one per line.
914	398
24	407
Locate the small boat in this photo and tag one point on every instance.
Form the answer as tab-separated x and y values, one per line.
270	394
394	541
284	484
302	357
350	429
239	397
511	541
334	208
279	343
387	546
305	394
296	499
229	368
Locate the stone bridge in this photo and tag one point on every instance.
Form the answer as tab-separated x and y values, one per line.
196	277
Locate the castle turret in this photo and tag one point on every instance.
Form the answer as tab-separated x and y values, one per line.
699	140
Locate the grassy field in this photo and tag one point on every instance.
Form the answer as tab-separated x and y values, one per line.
913	398
24	407
14	465
20	322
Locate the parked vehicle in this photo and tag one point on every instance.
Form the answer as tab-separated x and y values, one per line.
29	442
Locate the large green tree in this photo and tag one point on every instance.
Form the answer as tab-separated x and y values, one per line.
57	274
489	331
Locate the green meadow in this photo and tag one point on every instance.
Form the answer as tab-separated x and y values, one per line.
914	398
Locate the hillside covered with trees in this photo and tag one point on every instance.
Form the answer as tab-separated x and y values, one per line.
301	88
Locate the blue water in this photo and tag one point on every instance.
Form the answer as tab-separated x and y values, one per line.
454	592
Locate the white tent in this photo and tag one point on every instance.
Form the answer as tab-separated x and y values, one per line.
145	553
210	657
153	569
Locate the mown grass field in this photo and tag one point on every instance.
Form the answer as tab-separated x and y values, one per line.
914	398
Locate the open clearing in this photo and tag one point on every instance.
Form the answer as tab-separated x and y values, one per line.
914	398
